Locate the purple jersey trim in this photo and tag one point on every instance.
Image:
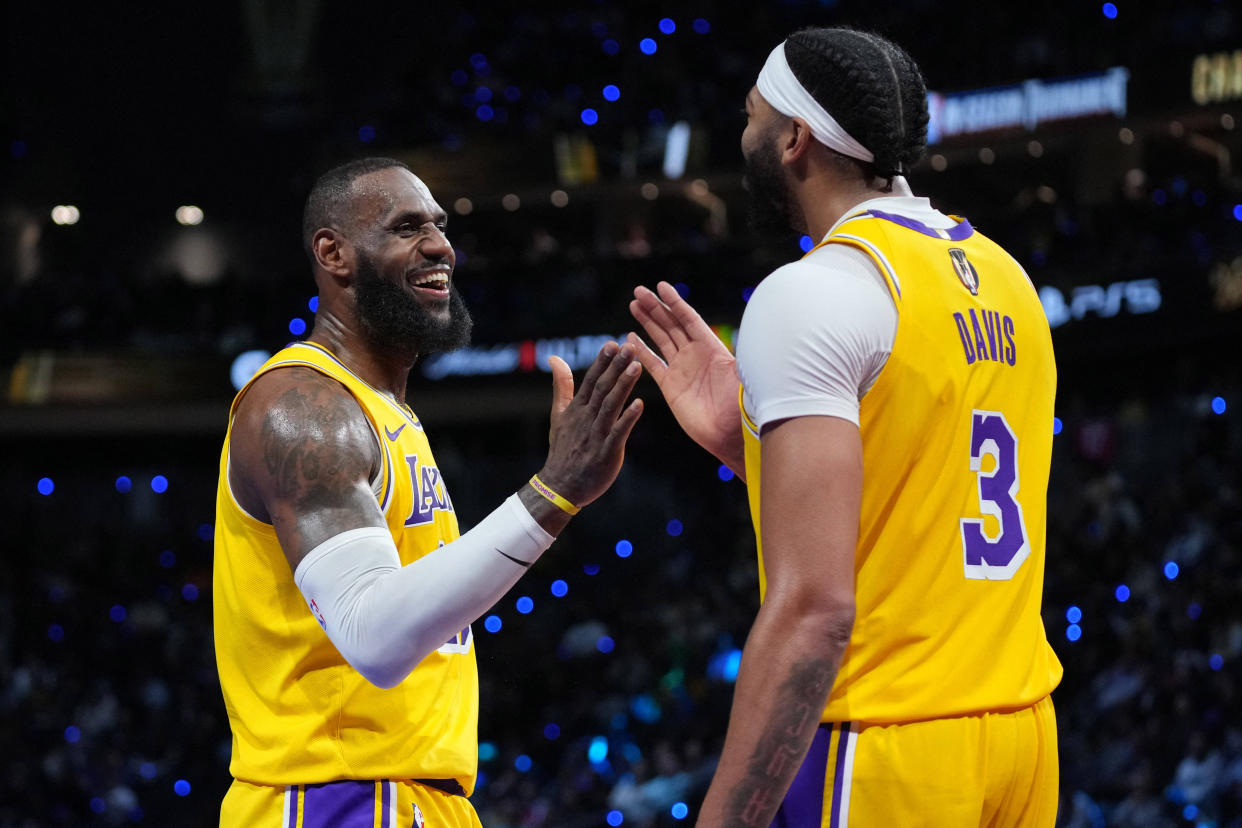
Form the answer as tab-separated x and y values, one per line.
804	802
961	231
345	804
385	803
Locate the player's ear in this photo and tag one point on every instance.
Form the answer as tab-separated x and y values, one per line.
333	252
795	140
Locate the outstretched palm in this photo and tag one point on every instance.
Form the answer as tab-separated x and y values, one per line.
697	375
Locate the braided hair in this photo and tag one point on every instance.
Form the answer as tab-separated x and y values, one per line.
871	87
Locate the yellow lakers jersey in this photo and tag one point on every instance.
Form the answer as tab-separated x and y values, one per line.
957	442
300	714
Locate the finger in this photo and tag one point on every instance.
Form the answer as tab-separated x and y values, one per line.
617	395
657	333
608	379
684	315
601	363
562	384
659	314
649	359
620	432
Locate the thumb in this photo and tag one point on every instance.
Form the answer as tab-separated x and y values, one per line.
562	384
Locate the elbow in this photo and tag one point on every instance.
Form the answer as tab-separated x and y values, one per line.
825	619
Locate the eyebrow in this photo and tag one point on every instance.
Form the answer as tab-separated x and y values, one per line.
438	217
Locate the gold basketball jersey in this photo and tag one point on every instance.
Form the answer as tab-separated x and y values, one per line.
300	714
957	443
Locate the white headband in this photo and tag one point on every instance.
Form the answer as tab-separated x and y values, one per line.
781	89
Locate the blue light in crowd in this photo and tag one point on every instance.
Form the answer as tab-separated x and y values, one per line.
605	644
1056	425
492	623
483	94
1237	212
1073	615
1122	593
205	532
655	116
679	810
1110	11
478	60
366	133
732	663
1199	198
98	805
512	93
1194	611
297	326
124	484
459	77
485	113
1190	812
647	46
522	763
645	708
181	787
159	484
46	486
73	734
668	25
1159	197
614	818
683	290
117	613
591	568
598	751
487	751
147	770
1216	662
1218	405
806	243
701	26
724	472
674	528
610	46
624	549
611	92
525	605
559	588
589	116
747	292
1171	569
56	633
168	559
189	592
313	304
1073	632
551	731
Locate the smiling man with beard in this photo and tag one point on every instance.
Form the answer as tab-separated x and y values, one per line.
343	590
894	432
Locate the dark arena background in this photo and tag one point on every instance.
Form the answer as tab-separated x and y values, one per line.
154	162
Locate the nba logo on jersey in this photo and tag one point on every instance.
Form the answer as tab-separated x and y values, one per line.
965	270
418	817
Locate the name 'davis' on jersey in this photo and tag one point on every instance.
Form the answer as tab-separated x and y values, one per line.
991	339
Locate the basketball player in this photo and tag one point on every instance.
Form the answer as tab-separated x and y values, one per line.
894	432
343	591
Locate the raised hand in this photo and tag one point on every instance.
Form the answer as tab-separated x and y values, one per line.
697	375
586	441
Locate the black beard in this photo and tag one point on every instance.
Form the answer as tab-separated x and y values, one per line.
770	207
393	320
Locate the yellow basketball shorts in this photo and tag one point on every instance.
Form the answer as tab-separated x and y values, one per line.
997	770
349	803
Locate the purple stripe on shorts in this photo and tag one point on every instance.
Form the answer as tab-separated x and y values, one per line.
291	800
962	231
345	804
385	803
838	776
804	803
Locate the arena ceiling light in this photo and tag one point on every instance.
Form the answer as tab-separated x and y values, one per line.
64	214
188	215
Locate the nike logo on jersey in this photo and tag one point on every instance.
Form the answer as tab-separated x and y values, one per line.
392	435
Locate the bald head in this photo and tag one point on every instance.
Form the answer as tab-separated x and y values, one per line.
331	202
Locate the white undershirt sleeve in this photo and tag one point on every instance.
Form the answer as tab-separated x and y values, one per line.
815	336
384	618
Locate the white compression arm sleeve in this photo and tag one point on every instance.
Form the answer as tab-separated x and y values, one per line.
384	618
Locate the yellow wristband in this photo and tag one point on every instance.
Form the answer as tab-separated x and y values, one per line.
541	487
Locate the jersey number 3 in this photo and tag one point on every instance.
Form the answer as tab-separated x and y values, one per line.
994	558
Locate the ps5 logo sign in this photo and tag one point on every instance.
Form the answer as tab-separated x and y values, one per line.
1135	297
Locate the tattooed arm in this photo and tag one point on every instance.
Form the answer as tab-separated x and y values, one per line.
811	495
303	455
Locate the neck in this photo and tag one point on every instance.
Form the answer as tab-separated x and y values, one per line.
823	203
340	334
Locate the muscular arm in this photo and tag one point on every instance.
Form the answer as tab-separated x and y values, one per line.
812	484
